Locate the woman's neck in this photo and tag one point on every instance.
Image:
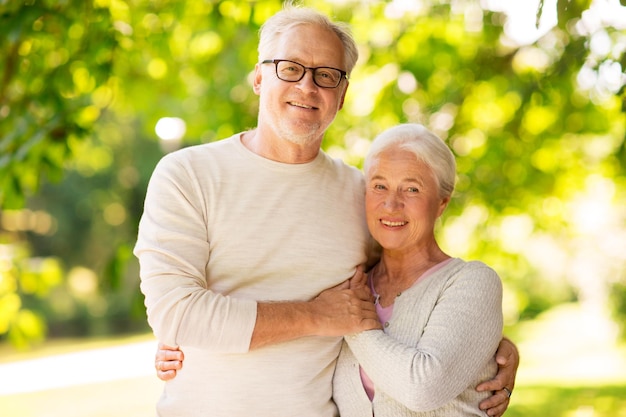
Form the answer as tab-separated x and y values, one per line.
395	273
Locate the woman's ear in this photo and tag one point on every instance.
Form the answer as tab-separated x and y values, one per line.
258	76
442	206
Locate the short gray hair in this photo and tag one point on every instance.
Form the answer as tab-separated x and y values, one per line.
427	147
292	16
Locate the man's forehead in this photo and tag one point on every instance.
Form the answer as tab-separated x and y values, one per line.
311	45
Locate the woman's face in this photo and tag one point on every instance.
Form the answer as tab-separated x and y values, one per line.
402	201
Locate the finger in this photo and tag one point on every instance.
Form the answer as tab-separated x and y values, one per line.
507	354
343	286
166	375
163	346
369	317
170	365
359	279
496	411
503	359
504	378
360	307
169	355
161	364
495	384
364	294
372	324
496	404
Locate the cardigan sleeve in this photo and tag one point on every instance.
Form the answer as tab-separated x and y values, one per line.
173	252
460	336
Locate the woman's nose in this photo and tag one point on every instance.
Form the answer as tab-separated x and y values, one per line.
393	201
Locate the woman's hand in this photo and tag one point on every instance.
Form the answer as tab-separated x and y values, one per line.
503	383
167	361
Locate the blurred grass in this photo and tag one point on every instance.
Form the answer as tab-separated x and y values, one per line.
555	401
572	365
134	397
126	396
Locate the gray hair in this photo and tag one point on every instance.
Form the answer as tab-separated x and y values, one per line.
426	146
292	16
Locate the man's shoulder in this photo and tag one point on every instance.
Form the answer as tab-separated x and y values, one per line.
342	167
202	150
200	157
203	147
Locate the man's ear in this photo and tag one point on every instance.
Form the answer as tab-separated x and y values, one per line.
258	76
343	96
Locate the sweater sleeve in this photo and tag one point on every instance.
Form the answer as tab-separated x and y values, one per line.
460	337
173	252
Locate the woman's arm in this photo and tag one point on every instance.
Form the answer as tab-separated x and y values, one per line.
463	329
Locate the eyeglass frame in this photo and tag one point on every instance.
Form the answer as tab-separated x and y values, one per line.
343	74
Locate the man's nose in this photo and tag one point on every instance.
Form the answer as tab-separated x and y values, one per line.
307	82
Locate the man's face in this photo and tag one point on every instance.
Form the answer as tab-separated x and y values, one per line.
301	111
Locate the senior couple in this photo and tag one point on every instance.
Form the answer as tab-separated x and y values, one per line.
253	249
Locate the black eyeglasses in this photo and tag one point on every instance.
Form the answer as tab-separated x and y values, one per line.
291	71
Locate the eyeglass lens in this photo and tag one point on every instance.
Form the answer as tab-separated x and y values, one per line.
322	76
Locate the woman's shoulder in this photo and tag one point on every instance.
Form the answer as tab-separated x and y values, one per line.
474	270
459	264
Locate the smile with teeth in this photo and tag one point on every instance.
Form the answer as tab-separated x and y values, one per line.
392	224
304	106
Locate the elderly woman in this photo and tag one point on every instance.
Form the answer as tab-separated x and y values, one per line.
442	316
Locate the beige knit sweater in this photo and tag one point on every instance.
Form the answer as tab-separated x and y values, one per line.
224	228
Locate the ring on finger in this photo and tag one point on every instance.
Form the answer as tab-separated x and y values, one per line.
508	391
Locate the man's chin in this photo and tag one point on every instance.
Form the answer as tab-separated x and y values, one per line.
303	135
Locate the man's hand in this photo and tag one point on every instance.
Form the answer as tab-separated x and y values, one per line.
359	279
336	311
503	383
167	361
346	308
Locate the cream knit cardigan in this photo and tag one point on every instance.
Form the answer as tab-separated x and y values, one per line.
439	344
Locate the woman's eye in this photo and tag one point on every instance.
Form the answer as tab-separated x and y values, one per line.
413	190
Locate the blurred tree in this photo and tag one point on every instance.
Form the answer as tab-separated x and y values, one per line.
56	59
538	128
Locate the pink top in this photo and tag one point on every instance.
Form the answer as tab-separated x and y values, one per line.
384	315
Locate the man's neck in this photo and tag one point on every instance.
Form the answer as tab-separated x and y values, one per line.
279	150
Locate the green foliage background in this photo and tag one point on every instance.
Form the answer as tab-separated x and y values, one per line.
540	147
